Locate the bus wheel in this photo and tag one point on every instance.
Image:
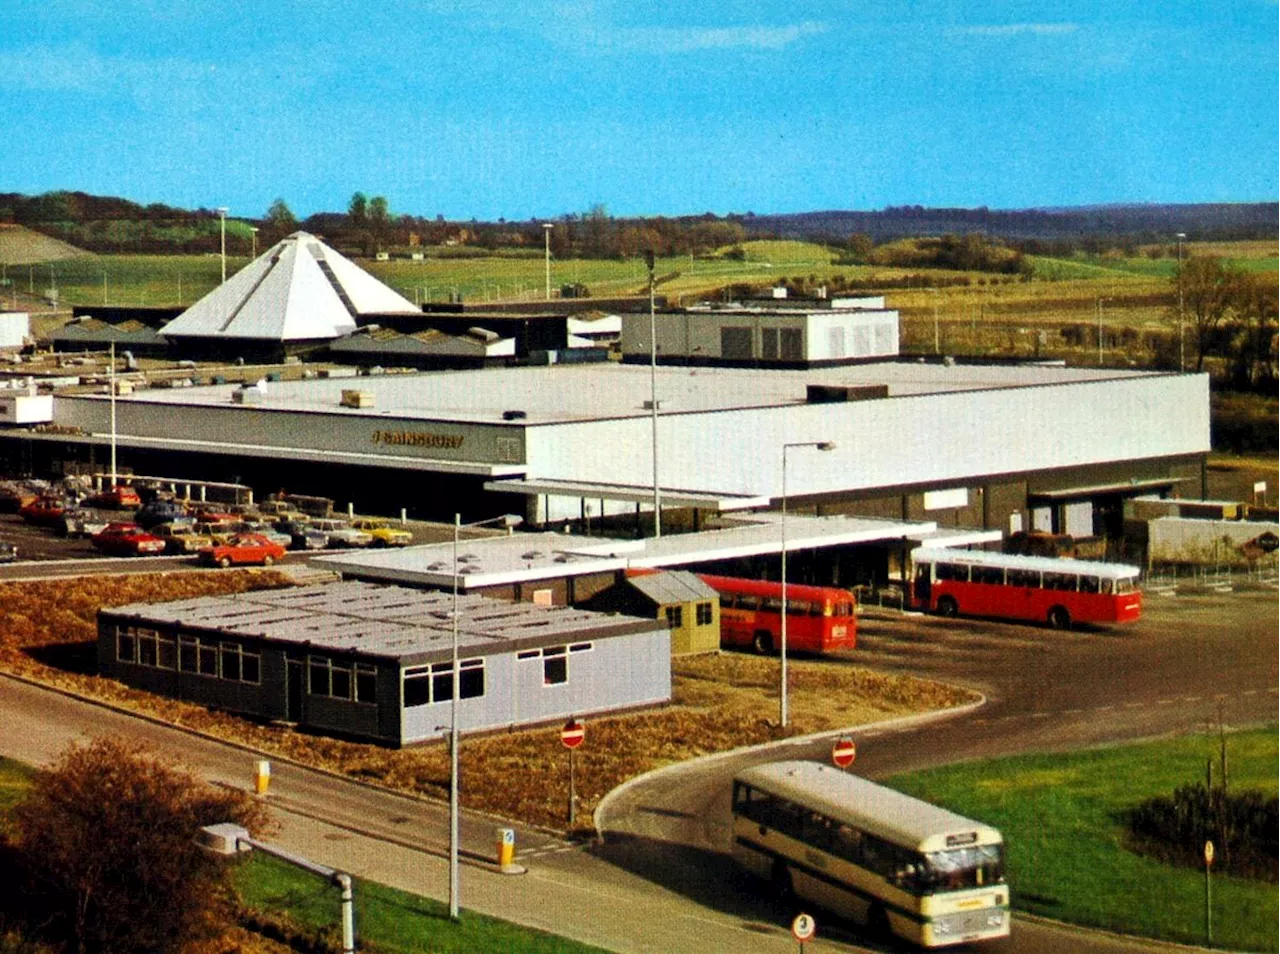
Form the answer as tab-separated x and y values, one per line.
1059	618
947	606
780	878
762	642
877	921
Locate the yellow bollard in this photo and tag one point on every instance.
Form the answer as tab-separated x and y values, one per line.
506	847
263	778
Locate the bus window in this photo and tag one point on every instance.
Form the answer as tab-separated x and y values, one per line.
1124	586
771	604
1089	584
1027	578
726	601
956	572
799	608
820	609
993	575
965	867
1060	581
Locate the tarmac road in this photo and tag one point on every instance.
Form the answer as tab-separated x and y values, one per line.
660	881
1183	663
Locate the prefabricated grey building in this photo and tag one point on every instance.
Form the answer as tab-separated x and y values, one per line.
375	662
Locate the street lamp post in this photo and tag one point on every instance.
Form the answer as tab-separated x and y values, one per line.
253	230
937	339
653	398
1098	305
511	521
222	216
546	240
782	694
1182	339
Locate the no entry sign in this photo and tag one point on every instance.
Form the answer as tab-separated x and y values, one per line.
844	752
572	734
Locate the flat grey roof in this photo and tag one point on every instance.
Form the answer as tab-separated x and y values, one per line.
568	393
529	557
389	622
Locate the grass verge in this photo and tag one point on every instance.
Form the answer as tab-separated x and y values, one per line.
1062	819
386	919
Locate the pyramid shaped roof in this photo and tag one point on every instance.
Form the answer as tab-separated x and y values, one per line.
298	290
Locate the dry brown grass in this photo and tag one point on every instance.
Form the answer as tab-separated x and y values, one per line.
720	702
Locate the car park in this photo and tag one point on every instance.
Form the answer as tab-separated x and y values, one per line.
127	539
242	549
384	535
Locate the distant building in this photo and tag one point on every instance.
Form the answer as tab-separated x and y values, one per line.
689	607
375	662
772	333
295	297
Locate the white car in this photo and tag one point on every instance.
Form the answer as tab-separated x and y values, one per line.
341	533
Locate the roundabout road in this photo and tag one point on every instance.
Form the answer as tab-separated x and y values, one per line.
1172	672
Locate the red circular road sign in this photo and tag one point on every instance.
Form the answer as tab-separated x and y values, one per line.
844	752
572	734
803	927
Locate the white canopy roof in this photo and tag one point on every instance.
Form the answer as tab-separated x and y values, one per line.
298	290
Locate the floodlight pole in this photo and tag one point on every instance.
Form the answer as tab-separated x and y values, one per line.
1182	338
222	216
653	398
111	386
453	737
546	239
782	689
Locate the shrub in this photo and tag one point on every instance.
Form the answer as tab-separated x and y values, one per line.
1241	824
105	850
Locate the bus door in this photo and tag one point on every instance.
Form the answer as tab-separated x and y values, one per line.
924	584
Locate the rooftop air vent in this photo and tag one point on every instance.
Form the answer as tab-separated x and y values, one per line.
355	398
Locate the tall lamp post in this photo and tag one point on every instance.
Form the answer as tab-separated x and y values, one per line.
653	398
546	241
222	216
511	521
253	230
782	694
1182	338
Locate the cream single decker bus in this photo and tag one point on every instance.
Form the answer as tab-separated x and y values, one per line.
865	852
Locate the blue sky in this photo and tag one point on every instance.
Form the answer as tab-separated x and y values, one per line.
521	109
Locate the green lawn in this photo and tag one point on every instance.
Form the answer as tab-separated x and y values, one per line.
391	920
1061	816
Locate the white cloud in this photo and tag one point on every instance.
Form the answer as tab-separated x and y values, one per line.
1016	29
692	39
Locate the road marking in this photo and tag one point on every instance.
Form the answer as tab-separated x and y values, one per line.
1041	715
1134	705
1103	708
1249	692
1192	698
1072	711
1165	702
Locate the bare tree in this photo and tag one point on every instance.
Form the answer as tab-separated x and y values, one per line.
106	846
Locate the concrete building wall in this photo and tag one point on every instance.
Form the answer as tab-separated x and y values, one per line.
928	439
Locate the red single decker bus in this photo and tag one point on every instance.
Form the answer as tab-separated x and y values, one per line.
819	618
1043	589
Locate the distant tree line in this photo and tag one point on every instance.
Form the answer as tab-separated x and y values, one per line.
963	239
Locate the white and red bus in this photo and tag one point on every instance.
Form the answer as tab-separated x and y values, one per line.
819	618
1041	589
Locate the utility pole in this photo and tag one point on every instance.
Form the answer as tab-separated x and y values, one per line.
653	397
1182	338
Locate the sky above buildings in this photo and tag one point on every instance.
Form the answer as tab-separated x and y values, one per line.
474	109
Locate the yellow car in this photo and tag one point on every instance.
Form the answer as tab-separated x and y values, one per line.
384	535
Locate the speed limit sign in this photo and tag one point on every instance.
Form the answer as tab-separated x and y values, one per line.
802	927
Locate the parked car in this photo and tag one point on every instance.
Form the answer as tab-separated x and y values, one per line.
384	535
159	510
8	553
14	496
45	511
342	534
243	549
80	523
118	497
303	536
127	539
181	537
266	529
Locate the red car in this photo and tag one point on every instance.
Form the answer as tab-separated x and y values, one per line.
119	497
127	539
45	511
244	549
